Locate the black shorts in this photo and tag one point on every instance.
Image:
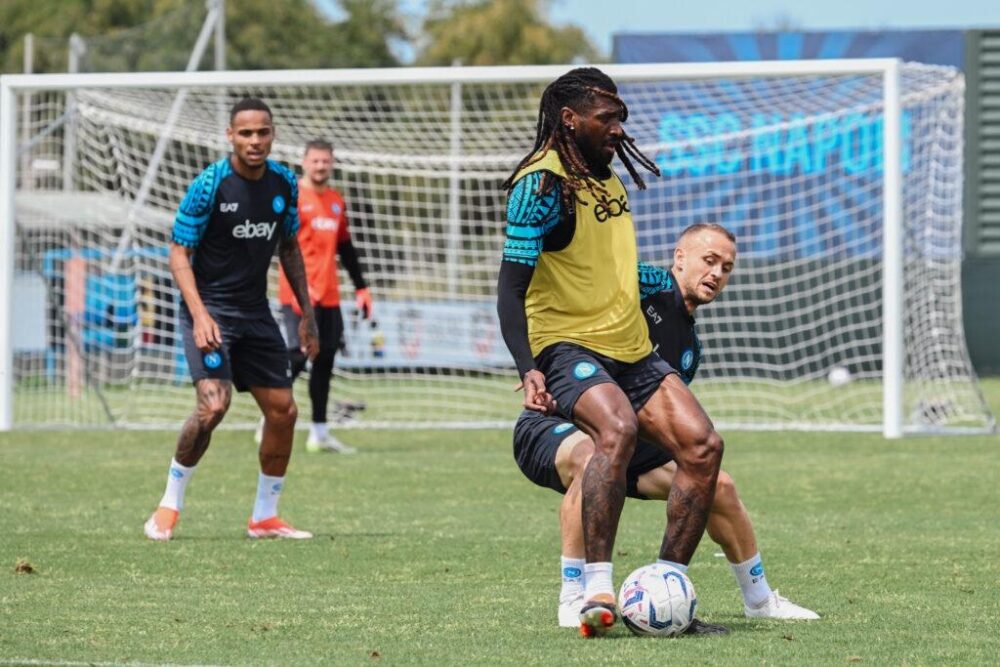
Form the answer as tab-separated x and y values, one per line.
570	370
253	353
537	438
329	323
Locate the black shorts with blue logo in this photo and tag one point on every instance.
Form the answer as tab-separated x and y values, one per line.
253	353
537	438
571	369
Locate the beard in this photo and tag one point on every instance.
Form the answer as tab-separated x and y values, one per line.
698	294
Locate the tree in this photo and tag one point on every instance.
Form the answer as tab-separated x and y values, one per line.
291	34
499	32
260	34
365	37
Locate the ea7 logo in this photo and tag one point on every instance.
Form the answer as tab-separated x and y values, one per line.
228	208
610	208
249	230
653	315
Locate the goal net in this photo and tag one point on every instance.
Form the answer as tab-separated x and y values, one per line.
791	161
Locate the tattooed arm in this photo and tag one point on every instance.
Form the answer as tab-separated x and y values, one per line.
295	270
205	330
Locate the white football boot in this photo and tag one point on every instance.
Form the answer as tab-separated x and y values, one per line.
778	607
569	611
328	443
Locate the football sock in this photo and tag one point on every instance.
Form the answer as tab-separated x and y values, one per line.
597	580
676	566
572	578
753	584
318	431
177	481
268	493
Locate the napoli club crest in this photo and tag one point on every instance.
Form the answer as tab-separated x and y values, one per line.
212	359
278	204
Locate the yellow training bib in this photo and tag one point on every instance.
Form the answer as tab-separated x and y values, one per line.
588	293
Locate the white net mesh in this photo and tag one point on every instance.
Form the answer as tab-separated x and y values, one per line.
792	165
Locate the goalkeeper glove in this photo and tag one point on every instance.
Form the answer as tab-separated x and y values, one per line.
363	300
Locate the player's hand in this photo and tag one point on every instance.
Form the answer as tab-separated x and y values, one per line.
536	397
309	337
206	333
363	300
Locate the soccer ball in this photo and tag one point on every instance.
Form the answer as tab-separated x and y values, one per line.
838	376
657	600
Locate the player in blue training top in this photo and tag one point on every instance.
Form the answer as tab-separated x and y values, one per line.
236	212
553	452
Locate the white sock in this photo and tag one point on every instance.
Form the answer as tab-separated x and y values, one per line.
753	584
597	580
676	566
177	481
268	493
319	431
572	578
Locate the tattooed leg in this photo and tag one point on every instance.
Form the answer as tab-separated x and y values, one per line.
687	516
603	499
605	413
674	419
213	398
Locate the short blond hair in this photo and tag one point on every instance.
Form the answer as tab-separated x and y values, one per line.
707	226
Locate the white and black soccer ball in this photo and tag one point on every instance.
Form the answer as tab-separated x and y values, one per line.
657	600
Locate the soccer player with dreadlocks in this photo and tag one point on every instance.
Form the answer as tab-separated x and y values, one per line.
568	301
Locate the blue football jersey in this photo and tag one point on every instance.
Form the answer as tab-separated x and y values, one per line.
671	327
234	225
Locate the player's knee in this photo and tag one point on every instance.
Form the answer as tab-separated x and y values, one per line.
725	489
283	415
582	454
617	437
211	410
703	455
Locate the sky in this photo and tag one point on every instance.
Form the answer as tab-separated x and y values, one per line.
645	16
734	15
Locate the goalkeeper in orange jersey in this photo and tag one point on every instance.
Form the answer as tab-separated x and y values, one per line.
323	237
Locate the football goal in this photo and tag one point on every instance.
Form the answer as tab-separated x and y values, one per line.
841	179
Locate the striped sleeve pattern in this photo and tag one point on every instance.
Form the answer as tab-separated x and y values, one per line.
653	280
530	217
291	226
196	207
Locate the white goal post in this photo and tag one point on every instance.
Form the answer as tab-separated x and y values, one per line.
842	179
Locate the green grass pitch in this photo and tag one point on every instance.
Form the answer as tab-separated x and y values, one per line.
432	549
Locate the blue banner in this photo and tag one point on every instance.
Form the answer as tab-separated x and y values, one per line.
932	47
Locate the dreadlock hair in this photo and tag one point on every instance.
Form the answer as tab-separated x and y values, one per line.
577	89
